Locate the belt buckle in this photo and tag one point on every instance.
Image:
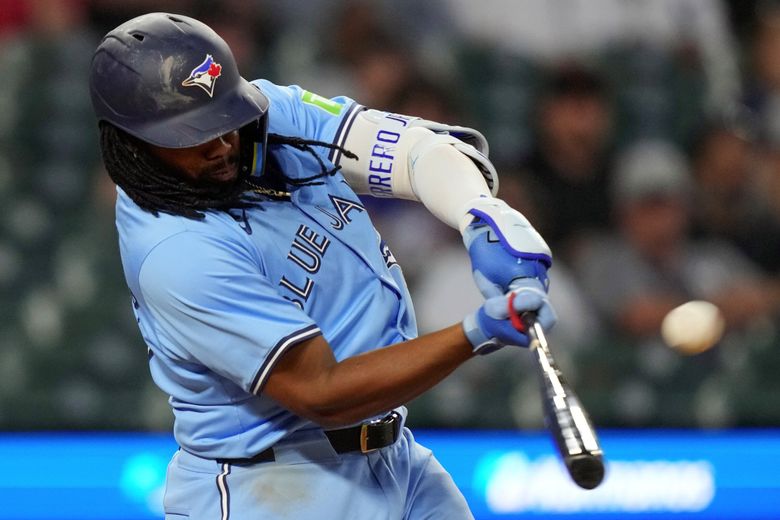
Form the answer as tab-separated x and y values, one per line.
364	428
364	438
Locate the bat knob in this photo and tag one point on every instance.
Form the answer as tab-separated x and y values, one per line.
587	470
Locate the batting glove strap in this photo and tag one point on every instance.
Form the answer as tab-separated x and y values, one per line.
490	327
480	343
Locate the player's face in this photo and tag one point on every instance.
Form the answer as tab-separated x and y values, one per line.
214	162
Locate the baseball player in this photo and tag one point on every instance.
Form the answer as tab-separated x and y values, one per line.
275	316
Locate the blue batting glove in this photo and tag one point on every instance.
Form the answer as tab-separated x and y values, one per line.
495	263
489	328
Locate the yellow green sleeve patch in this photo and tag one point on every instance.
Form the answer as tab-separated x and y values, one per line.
328	105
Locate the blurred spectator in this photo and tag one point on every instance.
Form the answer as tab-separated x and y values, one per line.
763	88
381	71
731	200
763	98
569	162
355	46
248	26
668	61
107	14
248	29
649	266
551	31
429	99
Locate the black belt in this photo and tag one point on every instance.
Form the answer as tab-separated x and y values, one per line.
365	438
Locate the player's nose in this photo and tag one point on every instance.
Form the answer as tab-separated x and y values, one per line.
219	147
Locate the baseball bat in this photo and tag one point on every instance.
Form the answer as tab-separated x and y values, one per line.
565	417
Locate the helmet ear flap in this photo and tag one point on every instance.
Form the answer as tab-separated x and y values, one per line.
254	147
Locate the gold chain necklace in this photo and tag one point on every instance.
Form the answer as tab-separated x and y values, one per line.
262	190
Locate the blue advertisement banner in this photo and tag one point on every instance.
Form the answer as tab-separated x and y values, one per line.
504	475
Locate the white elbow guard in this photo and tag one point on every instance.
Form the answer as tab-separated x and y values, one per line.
384	142
470	143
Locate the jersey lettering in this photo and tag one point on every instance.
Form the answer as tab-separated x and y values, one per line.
297	303
380	186
382	158
380	165
344	207
387	255
310	237
337	223
304	292
404	120
306	241
306	252
311	267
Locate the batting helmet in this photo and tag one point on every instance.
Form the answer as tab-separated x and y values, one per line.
171	81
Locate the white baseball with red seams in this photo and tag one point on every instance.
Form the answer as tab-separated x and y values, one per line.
693	327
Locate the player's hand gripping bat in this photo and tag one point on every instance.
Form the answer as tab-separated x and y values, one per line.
564	416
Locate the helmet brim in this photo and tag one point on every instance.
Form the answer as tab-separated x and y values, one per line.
231	111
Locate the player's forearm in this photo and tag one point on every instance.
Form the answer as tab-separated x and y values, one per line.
445	181
385	378
349	391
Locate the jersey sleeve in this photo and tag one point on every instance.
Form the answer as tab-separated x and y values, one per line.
211	302
296	111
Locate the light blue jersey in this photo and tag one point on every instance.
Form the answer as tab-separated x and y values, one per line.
219	301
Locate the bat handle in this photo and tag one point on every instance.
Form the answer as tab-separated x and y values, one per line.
533	330
526	323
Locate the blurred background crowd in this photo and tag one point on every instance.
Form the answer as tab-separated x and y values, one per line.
640	137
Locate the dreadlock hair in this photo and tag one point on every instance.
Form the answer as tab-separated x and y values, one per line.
151	185
306	146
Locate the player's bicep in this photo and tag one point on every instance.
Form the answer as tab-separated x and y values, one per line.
215	307
292	382
310	115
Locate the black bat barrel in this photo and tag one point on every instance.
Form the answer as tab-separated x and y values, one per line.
572	431
565	417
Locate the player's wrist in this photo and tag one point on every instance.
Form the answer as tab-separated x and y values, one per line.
493	265
467	218
480	342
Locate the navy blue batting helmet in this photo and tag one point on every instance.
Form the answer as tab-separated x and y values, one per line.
171	81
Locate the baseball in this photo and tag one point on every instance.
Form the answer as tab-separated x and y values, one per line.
693	327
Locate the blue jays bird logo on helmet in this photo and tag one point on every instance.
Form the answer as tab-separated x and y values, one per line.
204	75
